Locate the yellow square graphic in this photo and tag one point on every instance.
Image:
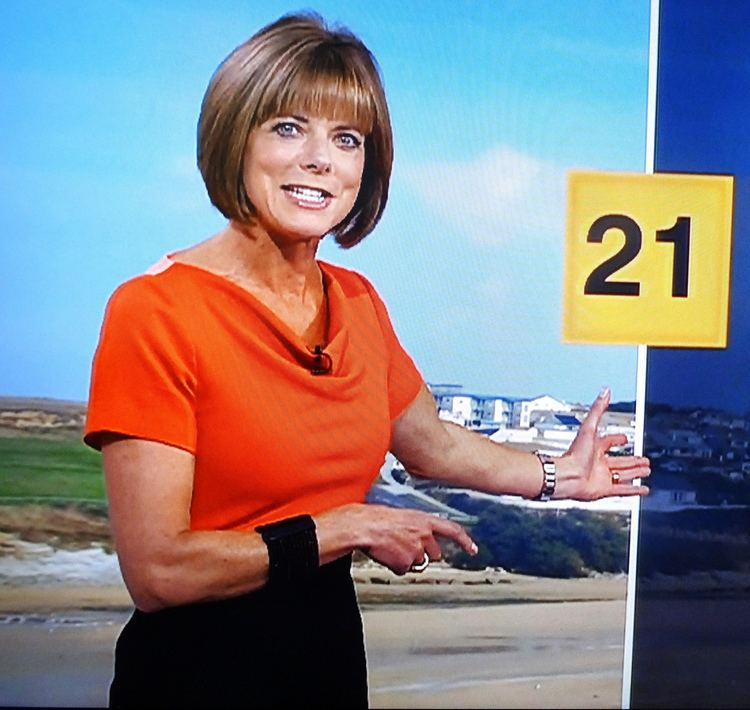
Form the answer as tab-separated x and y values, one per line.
647	259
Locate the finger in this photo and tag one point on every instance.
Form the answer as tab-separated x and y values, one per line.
406	550
624	479
610	440
627	462
432	548
593	418
635	469
454	532
421	564
629	490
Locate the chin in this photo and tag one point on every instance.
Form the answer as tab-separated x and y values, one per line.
303	233
308	229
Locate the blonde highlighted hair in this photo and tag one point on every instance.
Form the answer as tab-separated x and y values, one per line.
295	65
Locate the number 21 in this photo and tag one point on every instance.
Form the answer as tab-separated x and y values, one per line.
598	282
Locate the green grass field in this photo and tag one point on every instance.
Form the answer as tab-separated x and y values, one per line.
43	469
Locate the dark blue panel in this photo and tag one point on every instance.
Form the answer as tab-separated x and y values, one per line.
692	624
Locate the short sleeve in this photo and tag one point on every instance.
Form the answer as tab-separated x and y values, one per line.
404	379
143	378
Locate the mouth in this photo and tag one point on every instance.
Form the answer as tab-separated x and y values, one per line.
308	196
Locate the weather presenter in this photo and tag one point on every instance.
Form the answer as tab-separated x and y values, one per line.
234	522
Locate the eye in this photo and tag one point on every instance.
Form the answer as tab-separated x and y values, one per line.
348	140
286	129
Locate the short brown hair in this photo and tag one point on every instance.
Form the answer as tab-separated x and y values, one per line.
296	64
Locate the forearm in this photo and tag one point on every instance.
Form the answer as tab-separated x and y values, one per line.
435	449
194	566
197	565
464	458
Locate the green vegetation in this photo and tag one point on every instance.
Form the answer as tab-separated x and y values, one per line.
40	469
553	543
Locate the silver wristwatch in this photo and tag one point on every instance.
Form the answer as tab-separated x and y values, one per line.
550	476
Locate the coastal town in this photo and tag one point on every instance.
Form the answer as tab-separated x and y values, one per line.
699	456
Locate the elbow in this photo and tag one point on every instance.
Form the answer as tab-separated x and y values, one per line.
153	586
428	462
419	470
430	453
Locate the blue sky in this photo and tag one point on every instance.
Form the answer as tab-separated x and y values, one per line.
492	102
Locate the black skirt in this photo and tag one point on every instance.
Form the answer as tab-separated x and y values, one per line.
296	647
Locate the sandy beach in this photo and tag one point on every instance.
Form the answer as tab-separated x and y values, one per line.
448	639
529	655
522	656
443	638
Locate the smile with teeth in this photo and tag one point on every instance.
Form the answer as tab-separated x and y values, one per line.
308	195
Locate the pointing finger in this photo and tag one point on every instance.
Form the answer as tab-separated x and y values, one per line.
454	532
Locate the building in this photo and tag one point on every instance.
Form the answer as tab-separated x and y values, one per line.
475	411
527	410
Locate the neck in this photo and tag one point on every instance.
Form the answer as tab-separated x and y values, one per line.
289	270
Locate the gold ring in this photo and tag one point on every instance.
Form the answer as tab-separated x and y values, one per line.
421	566
615	478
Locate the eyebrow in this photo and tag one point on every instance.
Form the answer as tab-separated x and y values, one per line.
338	127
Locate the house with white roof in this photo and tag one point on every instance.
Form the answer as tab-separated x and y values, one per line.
526	411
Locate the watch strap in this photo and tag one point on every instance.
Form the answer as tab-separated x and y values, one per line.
549	469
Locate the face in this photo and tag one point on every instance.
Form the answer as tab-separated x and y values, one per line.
302	174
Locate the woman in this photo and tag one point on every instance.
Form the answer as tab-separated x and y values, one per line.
245	394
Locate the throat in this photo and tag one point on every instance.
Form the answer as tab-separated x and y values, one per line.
316	334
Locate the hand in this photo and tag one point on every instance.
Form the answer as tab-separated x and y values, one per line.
587	472
398	538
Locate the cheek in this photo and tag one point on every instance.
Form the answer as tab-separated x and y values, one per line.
267	160
259	183
352	173
255	187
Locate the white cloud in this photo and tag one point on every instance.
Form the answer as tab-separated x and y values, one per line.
500	196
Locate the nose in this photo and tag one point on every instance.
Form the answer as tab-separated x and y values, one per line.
316	155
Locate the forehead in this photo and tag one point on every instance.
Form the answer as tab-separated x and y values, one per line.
337	97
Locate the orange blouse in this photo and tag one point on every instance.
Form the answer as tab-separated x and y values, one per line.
188	358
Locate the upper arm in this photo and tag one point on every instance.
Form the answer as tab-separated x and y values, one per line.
144	374
418	437
149	488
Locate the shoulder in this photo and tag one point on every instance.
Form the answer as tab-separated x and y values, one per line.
154	306
162	288
151	313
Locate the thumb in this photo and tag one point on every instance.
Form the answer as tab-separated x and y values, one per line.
599	406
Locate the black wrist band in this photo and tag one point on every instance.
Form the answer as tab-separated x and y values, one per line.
292	549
